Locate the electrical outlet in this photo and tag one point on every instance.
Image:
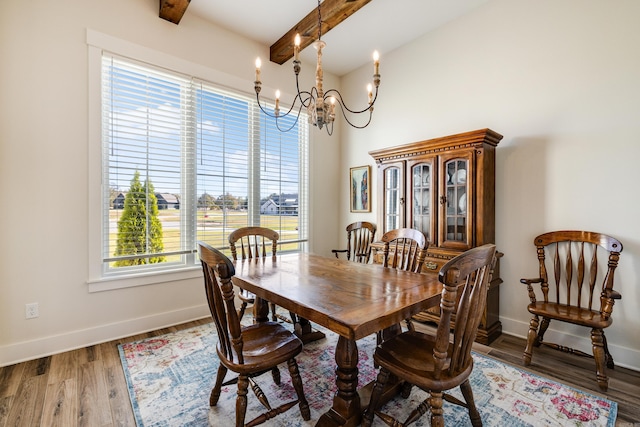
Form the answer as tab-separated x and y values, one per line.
32	310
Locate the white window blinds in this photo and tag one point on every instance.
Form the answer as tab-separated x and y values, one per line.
184	160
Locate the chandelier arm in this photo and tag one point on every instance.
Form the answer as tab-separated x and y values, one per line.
300	93
342	110
343	105
295	122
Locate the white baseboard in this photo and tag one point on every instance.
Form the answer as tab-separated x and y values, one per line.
46	346
622	356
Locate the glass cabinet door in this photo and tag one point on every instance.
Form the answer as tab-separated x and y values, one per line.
455	224
421	193
393	199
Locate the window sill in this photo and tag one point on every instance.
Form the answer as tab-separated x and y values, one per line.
143	279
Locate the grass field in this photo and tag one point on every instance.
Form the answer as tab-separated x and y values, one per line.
213	227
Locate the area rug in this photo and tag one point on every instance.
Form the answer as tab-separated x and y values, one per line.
170	378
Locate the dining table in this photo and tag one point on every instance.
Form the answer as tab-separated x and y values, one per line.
351	299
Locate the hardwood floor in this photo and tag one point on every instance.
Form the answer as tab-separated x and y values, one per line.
86	387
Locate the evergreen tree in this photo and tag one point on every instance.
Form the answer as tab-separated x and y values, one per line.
139	228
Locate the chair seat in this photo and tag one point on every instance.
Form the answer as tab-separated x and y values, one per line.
566	313
410	355
266	344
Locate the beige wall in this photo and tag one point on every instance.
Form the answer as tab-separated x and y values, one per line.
559	79
44	173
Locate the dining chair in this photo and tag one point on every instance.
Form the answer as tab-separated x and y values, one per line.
360	235
253	242
404	249
438	363
249	351
574	287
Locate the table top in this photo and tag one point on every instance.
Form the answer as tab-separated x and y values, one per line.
351	299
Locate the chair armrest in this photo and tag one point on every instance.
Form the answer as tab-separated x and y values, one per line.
338	251
612	294
529	282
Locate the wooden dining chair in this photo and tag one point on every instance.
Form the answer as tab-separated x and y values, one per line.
438	363
404	249
253	242
248	351
360	235
574	289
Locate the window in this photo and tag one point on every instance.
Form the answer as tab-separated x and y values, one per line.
185	160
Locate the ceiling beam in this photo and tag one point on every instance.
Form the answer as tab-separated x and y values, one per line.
333	12
173	10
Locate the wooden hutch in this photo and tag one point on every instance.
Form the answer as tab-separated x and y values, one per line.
444	187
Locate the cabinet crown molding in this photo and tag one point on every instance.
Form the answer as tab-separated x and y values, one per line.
474	138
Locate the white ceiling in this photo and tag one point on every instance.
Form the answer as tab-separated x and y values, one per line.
381	25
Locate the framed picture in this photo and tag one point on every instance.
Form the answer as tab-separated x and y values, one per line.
360	189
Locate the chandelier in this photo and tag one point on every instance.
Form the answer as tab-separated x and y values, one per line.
319	104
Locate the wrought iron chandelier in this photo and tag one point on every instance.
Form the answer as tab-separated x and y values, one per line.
320	104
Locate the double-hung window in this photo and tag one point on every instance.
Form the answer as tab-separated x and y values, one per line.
185	160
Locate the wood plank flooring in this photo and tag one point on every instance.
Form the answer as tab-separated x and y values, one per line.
86	387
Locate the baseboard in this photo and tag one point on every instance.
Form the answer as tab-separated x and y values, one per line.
622	356
46	346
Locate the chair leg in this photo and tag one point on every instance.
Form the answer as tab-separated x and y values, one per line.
599	356
410	325
376	394
465	388
297	385
273	312
241	400
543	328
531	338
610	363
215	392
275	374
437	412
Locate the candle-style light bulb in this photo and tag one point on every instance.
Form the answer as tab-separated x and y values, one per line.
376	62
370	92
277	100
296	48
258	65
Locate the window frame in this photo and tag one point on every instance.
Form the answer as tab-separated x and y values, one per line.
97	44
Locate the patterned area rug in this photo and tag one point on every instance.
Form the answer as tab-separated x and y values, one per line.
170	378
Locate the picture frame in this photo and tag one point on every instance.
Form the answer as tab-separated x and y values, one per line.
360	188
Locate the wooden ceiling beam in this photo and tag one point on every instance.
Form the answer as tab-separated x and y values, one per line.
333	12
173	10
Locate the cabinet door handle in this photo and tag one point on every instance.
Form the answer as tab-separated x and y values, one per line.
401	201
443	200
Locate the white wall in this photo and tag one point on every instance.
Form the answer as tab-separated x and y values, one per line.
44	173
559	79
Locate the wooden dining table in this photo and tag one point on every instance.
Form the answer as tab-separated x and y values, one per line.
351	299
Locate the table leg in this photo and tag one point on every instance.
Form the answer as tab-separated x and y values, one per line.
303	330
346	410
261	310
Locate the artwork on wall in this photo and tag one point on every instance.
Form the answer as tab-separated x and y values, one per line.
360	190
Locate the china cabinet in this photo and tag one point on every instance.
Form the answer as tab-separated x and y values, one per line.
444	187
